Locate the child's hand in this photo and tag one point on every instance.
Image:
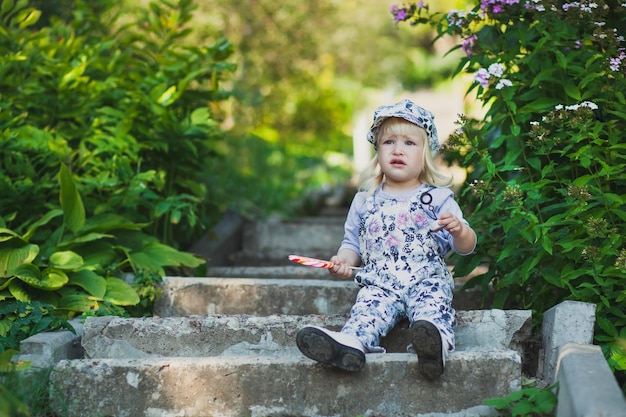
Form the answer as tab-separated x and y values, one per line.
451	223
340	268
463	236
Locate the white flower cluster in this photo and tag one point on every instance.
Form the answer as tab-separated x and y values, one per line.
535	5
495	70
574	107
459	18
582	6
589	104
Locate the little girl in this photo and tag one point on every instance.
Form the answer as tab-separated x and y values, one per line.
400	225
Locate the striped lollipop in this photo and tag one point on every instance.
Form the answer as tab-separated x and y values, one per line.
315	263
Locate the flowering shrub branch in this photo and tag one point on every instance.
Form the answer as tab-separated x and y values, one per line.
546	163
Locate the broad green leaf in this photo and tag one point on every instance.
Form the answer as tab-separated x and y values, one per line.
4	282
110	221
71	203
120	293
66	260
515	130
6	6
5	326
15	253
544	104
42	221
73	74
28	17
168	96
572	90
91	282
497	403
546	243
53	278
78	302
522	408
201	116
98	256
155	256
18	292
161	208
49	279
89	237
7	234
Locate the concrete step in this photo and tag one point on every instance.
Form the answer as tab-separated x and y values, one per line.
287	269
244	386
241	365
267	296
241	335
270	242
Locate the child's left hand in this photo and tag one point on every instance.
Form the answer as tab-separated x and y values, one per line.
451	223
463	236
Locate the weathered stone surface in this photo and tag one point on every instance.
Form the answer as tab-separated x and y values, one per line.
567	322
45	349
289	270
264	297
279	386
274	240
214	335
599	395
259	297
222	240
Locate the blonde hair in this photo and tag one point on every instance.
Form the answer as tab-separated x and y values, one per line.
372	176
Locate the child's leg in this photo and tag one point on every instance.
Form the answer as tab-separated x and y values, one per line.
432	320
431	300
374	313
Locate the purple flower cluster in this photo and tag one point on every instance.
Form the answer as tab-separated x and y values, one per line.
399	13
405	12
468	45
496	6
615	63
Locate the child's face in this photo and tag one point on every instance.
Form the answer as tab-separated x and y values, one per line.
401	154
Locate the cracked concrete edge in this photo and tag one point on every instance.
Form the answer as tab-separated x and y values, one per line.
45	349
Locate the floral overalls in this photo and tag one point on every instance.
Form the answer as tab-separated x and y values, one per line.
404	274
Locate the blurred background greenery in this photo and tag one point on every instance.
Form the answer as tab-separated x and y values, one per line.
306	72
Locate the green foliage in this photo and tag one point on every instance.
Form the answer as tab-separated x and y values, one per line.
528	402
122	102
19	320
287	171
547	159
11	403
77	267
24	389
146	285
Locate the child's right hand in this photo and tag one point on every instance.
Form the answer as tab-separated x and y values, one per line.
341	267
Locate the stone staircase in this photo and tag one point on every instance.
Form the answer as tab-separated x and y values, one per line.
224	345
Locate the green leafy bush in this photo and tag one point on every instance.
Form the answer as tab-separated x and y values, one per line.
122	101
546	162
528	402
19	320
106	124
11	402
78	268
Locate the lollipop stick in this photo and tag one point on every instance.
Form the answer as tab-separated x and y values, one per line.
316	263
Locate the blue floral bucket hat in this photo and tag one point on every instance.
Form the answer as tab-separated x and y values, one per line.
410	112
